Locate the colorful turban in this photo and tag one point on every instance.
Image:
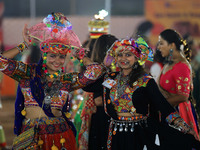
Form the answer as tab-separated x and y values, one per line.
138	47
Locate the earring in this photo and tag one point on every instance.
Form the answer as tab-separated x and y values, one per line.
170	57
135	65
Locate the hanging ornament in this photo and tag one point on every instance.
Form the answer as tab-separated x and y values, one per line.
62	141
47	100
54	147
68	115
40	142
23	112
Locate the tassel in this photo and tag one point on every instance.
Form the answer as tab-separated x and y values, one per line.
157	141
145	147
2	137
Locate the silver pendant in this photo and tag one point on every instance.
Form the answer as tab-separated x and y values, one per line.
132	127
47	100
120	128
63	148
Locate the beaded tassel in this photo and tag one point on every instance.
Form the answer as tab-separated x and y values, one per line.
54	147
62	141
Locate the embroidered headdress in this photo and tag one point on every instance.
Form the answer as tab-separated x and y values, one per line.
98	26
55	34
138	47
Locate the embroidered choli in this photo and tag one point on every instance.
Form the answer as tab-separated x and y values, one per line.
124	103
142	98
22	73
177	80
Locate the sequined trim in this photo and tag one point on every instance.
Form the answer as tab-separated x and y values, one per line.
93	71
124	103
173	116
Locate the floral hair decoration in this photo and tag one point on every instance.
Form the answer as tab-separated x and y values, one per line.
138	47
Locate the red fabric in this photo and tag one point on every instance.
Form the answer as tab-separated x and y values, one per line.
51	131
70	143
185	112
177	80
3	144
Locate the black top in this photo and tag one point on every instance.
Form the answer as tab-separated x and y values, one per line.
142	98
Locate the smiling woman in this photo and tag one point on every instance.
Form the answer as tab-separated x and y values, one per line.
42	100
132	100
126	60
54	62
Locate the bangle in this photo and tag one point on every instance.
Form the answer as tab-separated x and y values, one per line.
21	47
26	45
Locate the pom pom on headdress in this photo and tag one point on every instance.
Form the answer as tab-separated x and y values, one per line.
146	51
55	34
98	26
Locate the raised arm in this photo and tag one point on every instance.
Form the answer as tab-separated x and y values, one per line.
16	69
11	53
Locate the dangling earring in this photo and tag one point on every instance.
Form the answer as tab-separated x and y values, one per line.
135	65
170	57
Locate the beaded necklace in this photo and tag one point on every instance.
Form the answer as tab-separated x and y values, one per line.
44	67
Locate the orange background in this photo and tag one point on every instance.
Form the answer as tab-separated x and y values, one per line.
181	15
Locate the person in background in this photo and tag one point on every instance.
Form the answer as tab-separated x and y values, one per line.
158	63
195	63
175	82
95	121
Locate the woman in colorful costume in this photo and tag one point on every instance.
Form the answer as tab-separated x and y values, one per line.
43	100
132	99
94	120
176	78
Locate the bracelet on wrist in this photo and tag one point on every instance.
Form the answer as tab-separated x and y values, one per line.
22	46
26	45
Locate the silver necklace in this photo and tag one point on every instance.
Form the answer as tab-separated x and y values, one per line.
50	91
121	84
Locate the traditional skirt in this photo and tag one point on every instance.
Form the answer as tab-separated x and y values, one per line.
130	133
54	132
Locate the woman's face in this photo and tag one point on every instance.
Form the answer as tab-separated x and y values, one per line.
126	59
163	46
55	62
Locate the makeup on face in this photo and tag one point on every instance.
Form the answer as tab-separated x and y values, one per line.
55	61
163	46
126	59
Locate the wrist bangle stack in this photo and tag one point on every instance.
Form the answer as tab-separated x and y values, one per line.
26	45
181	125
22	46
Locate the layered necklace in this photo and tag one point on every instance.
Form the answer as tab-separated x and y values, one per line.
122	82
